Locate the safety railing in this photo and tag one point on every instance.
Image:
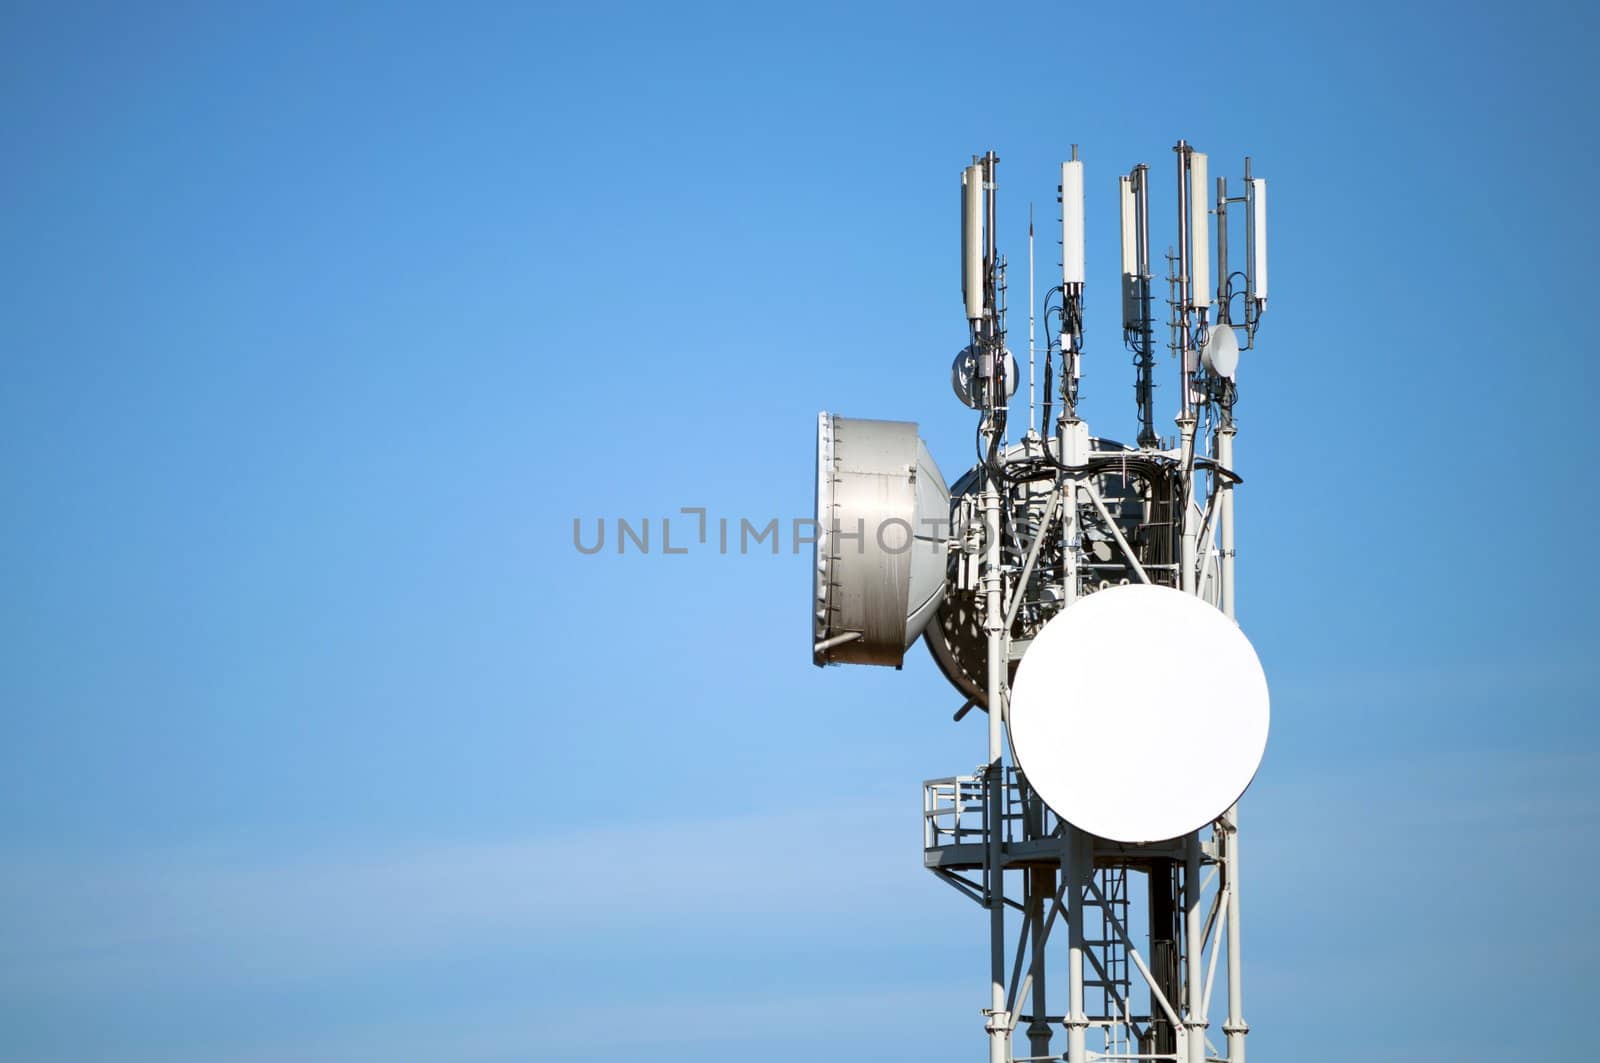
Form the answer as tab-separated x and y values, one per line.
955	808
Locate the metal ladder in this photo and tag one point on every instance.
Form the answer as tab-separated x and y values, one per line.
1112	977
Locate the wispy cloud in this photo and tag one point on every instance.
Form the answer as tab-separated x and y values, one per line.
1398	854
302	914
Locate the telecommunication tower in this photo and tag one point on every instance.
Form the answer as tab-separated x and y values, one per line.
1080	593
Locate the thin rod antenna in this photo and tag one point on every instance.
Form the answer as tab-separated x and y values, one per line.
1031	409
1183	277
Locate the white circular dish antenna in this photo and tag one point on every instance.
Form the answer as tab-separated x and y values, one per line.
1139	713
1221	352
882	513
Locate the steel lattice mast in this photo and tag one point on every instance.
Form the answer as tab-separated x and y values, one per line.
1049	517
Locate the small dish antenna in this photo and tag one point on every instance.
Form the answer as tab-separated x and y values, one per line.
1220	355
966	377
1144	675
883	513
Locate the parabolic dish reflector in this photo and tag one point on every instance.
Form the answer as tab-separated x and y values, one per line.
1221	352
883	512
966	382
1139	713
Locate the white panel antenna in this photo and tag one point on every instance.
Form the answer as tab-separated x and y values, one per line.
1200	230
1072	222
1130	230
972	240
1130	254
1258	207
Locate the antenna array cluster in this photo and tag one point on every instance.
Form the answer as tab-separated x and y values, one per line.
1080	593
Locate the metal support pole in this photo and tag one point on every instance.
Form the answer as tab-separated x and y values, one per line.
1194	942
994	866
1225	517
1069	542
1075	856
999	1022
1071	448
1185	294
998	1025
1252	312
1032	413
1162	1036
1223	314
1235	1027
1186	425
1041	887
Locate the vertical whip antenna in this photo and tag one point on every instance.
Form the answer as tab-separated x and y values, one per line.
1030	319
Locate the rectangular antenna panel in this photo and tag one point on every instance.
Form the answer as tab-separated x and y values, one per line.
972	240
1130	229
1130	255
1258	207
1072	222
1200	232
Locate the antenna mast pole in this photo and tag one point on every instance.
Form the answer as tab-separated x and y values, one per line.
1235	1027
992	359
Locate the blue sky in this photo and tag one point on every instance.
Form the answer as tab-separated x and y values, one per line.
322	323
